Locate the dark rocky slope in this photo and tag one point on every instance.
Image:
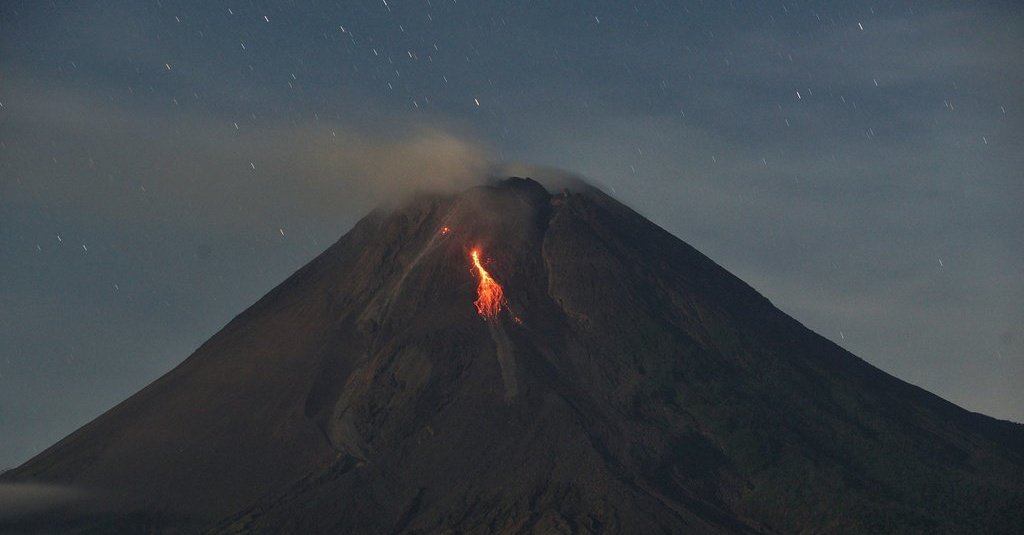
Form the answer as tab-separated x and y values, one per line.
643	389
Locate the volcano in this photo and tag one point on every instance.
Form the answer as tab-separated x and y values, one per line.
515	360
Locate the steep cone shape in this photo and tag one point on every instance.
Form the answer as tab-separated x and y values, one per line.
639	388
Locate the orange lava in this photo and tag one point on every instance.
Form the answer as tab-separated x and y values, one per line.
490	296
445	230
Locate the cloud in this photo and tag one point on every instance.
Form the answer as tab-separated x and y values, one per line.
18	500
122	161
425	160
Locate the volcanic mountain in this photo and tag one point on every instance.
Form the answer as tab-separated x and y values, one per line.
514	360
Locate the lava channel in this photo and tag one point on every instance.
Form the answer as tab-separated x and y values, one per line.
490	296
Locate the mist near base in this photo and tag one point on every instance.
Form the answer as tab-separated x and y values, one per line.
21	500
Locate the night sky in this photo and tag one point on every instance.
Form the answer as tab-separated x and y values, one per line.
165	164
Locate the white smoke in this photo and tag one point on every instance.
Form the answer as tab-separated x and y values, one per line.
426	160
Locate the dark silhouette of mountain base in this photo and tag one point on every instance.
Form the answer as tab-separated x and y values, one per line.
629	385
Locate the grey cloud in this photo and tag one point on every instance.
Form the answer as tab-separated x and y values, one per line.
19	500
428	160
198	169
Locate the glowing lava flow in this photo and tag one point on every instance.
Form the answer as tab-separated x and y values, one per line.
490	296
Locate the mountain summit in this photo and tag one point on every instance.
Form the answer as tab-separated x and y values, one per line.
511	360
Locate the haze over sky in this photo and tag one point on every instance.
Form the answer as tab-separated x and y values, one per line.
164	164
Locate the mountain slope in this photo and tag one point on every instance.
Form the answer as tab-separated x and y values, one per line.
629	385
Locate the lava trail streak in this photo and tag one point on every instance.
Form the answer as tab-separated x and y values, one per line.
490	296
490	299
